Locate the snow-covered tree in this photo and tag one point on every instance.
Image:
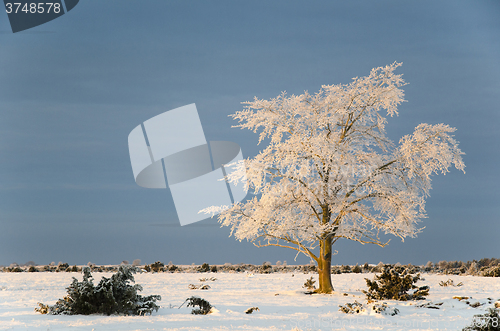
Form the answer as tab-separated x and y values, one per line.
329	171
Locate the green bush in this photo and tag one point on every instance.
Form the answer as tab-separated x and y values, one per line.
309	284
491	272
204	306
352	308
62	267
205	267
394	283
111	296
357	269
154	267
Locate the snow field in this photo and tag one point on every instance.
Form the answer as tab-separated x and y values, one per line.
280	298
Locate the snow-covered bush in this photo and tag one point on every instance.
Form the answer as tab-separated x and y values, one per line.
352	308
198	287
309	268
154	267
172	267
491	272
379	267
204	306
356	269
345	269
450	282
251	310
111	296
205	267
62	267
394	283
14	269
384	309
309	284
266	268
486	322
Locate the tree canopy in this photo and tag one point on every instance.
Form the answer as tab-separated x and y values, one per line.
329	170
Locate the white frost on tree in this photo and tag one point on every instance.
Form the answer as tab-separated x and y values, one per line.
329	171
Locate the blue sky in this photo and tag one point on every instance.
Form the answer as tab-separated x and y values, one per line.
72	89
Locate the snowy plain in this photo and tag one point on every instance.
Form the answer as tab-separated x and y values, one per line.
282	303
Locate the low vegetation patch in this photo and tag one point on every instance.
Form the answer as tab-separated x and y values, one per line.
204	307
395	283
111	296
309	284
450	282
251	310
490	321
352	308
154	267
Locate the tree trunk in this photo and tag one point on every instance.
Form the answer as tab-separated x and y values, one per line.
325	266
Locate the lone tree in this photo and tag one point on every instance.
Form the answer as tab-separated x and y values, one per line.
330	172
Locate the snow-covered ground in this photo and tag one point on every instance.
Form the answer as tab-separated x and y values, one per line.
280	298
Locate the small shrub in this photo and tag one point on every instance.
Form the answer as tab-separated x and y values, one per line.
204	306
379	267
15	269
486	322
154	267
449	282
136	262
352	308
394	283
309	284
309	268
384	310
32	269
345	269
266	268
356	269
205	267
111	296
251	310
172	267
491	272
198	287
213	268
475	304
